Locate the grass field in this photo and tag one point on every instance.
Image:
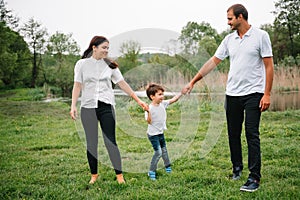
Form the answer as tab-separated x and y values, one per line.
42	156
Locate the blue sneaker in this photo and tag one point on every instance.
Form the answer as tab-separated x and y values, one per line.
250	186
152	175
168	169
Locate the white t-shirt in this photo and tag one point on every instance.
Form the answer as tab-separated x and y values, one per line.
247	71
96	77
158	118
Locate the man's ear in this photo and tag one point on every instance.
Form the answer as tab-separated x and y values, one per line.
240	16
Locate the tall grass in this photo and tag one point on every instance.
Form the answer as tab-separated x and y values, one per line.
287	79
43	157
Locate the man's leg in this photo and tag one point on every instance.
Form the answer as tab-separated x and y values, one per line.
235	117
252	121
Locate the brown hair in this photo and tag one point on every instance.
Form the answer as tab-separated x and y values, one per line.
152	89
97	40
239	9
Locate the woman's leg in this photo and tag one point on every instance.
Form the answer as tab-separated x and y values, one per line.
106	116
90	125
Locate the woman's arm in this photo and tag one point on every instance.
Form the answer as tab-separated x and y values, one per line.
127	89
75	95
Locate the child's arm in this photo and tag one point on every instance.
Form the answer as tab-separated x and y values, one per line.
148	116
175	98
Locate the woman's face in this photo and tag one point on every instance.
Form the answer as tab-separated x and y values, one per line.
101	50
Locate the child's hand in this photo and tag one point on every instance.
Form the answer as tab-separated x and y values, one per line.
146	109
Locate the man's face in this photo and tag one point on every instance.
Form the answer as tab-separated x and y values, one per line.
233	22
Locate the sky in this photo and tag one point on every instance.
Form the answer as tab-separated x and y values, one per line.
116	19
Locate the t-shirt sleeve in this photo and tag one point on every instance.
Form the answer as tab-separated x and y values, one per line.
78	72
222	51
116	76
266	47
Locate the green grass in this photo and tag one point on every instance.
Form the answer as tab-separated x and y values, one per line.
42	156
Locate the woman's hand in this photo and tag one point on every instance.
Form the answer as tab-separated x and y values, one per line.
143	105
73	112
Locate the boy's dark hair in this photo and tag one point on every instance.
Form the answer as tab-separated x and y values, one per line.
152	89
239	9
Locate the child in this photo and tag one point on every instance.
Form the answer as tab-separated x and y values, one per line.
156	117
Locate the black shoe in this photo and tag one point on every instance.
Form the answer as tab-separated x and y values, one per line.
250	186
237	173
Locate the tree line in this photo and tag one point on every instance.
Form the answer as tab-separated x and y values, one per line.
30	57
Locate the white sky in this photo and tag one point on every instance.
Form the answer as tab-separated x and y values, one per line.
110	18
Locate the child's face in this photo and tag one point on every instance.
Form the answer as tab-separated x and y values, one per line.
158	97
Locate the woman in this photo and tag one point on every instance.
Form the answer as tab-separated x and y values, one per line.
93	77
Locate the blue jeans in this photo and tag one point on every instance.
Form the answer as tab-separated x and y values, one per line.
238	109
160	150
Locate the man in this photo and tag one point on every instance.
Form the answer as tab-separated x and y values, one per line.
248	89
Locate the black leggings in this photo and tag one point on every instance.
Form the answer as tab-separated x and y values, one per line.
105	114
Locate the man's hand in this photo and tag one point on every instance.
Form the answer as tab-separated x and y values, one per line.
265	103
187	89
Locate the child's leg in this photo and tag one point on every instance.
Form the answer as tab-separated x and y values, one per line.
164	150
157	152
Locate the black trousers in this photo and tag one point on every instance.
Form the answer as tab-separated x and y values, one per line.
239	109
90	117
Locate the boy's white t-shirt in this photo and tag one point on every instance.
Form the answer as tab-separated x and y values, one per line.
158	118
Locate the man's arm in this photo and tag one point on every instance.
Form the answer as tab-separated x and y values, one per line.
205	69
266	100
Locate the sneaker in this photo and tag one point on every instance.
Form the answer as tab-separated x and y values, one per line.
168	169
237	173
152	175
250	186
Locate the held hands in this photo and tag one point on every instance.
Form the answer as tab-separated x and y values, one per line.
143	105
187	88
265	103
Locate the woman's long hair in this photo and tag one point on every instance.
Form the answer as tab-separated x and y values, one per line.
97	40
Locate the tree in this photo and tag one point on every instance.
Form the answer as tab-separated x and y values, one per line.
35	35
7	17
287	22
193	32
59	60
60	44
130	53
14	52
